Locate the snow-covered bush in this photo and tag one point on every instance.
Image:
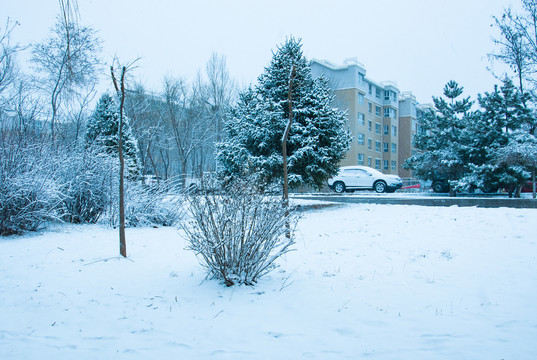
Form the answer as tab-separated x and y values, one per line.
238	233
160	204
29	191
86	177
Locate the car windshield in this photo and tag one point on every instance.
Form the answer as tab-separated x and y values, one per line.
374	172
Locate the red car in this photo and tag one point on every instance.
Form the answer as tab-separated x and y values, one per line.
528	187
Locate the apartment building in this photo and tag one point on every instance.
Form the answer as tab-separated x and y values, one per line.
409	113
382	134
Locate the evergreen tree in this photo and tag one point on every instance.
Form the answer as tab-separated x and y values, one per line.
503	114
443	155
317	141
102	129
519	157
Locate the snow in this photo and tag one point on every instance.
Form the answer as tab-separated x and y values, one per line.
366	281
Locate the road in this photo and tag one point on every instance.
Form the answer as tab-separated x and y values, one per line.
424	199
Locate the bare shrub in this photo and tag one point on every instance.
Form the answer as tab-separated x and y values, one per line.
238	233
160	204
29	191
85	175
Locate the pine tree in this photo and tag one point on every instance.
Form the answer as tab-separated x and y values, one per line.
102	129
519	156
317	141
502	118
443	154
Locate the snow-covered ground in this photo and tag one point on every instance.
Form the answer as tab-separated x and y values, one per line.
365	281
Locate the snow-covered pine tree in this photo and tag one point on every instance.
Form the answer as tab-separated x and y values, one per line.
520	157
443	154
318	139
502	118
102	129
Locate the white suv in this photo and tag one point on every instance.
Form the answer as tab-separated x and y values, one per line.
352	178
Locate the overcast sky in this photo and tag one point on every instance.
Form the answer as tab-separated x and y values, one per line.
419	44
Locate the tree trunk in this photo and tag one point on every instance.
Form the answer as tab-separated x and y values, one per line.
284	153
452	192
533	179
121	94
518	191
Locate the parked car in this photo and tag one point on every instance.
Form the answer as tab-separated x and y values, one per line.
352	178
527	187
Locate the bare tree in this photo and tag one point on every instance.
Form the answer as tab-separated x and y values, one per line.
215	91
512	48
67	61
77	112
186	121
7	54
146	111
219	90
120	90
27	108
517	42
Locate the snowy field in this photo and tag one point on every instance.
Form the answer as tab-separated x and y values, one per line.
365	281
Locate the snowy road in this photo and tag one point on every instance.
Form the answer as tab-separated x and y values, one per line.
463	200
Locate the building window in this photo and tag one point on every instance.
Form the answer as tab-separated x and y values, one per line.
377	93
394	148
360	78
394	130
377	128
386	129
361	99
377	163
369	143
394	96
370	89
360	138
369	161
394	165
377	110
386	147
361	119
370	125
387	112
360	159
370	107
386	164
377	146
387	95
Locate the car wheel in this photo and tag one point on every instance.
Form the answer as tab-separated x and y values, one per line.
438	187
339	187
380	186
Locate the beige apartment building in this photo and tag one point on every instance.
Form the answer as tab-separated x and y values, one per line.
381	119
409	113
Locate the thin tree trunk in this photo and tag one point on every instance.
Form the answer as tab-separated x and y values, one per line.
121	94
284	153
533	178
153	166
518	191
